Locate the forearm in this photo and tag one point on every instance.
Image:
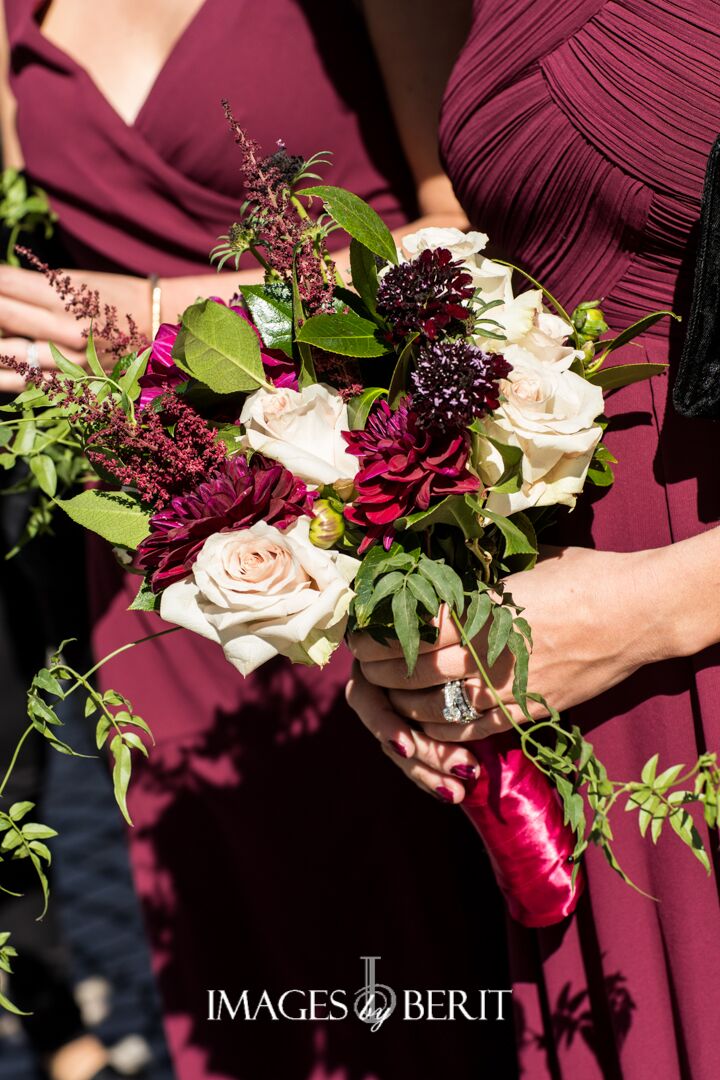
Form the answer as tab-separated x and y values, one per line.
682	595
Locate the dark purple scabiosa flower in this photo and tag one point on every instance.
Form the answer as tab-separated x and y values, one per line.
238	495
454	383
403	468
425	296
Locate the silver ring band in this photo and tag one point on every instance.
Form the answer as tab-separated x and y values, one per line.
458	709
31	355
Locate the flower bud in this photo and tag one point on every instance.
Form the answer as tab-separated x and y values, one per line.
589	321
327	526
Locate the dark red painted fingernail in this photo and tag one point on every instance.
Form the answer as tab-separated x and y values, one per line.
444	794
398	747
465	772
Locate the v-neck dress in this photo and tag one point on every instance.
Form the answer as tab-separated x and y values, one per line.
576	134
273	845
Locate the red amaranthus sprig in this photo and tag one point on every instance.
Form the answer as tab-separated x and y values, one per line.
85	304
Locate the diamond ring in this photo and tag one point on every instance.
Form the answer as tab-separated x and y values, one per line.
458	709
31	355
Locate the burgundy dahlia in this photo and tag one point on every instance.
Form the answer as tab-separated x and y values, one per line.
425	296
239	495
403	468
454	383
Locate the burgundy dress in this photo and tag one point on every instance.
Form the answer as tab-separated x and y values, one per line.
576	134
273	845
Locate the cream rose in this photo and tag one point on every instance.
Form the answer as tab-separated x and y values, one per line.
550	413
302	430
461	245
261	593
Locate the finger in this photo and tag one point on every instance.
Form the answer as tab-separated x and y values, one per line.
426	706
372	706
491	722
433	781
445	758
432	669
29	286
11	382
367	649
20	319
17	349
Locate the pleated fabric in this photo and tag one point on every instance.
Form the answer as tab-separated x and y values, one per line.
576	134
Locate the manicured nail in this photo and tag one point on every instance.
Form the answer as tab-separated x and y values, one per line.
444	794
398	748
465	772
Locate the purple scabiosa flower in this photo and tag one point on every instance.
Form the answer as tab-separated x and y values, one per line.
239	494
454	383
404	468
425	296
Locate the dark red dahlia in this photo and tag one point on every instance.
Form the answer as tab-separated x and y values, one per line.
425	296
239	495
404	468
454	383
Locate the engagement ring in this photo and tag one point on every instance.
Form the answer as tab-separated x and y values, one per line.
458	709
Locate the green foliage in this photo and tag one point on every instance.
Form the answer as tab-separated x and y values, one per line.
347	335
272	316
614	378
114	515
364	273
219	349
358	219
359	407
23	209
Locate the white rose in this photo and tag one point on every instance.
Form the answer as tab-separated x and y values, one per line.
549	412
260	593
302	430
462	245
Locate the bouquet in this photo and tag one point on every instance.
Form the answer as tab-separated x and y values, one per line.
324	455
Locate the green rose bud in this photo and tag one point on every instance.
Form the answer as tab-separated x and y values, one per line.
327	527
589	321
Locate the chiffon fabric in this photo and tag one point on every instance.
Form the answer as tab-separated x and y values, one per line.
576	134
273	844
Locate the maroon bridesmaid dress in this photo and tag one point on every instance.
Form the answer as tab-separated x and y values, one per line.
576	134
273	845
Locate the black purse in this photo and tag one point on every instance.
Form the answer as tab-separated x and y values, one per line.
697	386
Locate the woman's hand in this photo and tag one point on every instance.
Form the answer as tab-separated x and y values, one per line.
596	617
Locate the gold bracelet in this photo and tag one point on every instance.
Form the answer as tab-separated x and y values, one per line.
155	303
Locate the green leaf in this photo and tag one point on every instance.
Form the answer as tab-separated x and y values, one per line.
405	622
364	274
18	810
307	375
500	630
386	586
45	680
273	318
145	598
423	592
68	367
6	1004
665	779
613	378
25	438
399	381
356	218
346	335
114	515
634	331
359	407
122	772
454	510
518	647
92	357
517	541
445	582
44	471
478	613
219	348
102	730
648	773
35	831
129	382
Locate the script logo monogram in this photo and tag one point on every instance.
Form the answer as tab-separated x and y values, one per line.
374	1002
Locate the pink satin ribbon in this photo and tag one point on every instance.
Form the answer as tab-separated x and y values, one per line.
519	816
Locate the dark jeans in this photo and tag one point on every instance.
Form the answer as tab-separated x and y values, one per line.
29	619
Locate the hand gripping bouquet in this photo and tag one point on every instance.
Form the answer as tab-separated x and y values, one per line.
326	455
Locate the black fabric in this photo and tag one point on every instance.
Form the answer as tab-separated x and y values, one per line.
697	387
